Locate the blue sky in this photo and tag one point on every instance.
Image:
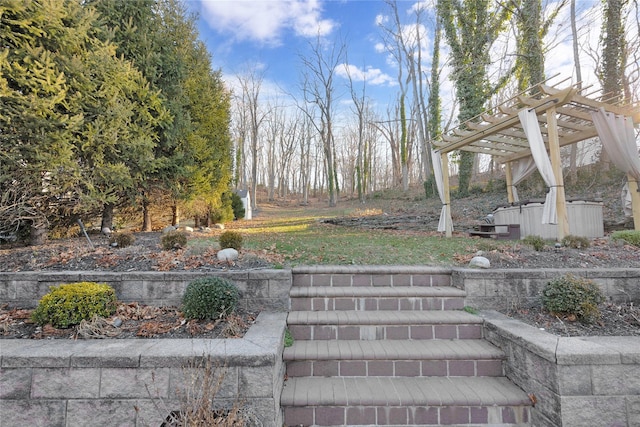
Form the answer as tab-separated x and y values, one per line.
272	34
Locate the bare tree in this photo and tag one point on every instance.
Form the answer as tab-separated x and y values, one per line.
251	84
319	90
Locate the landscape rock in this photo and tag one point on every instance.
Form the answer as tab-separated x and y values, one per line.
228	254
219	226
188	229
479	262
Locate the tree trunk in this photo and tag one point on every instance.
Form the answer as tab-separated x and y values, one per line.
146	217
573	166
107	216
38	233
175	215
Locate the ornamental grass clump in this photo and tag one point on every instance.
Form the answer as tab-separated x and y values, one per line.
122	240
631	237
231	239
174	240
210	298
536	241
575	242
575	297
69	304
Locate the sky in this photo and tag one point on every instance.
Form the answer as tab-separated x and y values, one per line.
272	35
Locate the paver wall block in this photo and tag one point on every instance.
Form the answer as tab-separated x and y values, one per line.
101	412
15	383
633	410
187	381
616	380
582	411
129	291
31	292
538	367
134	383
7	289
162	290
153	412
70	383
33	413
255	382
574	380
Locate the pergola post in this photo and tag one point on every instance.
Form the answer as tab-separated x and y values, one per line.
635	201
509	177
447	196
556	164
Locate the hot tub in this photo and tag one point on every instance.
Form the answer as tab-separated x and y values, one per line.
585	218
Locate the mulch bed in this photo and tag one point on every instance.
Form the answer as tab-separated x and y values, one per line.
616	320
131	320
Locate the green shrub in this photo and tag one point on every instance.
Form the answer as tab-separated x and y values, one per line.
122	240
575	242
210	298
536	241
69	304
231	239
288	338
174	240
632	237
573	295
237	206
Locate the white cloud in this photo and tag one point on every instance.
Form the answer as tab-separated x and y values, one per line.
381	19
264	20
369	75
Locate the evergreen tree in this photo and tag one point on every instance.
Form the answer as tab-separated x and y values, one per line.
39	114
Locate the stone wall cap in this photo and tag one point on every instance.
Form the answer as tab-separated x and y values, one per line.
579	351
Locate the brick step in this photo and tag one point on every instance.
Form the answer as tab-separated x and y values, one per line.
410	358
323	298
403	401
376	276
381	325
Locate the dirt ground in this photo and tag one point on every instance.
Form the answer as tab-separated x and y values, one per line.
131	320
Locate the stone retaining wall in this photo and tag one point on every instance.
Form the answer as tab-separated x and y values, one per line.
507	289
261	289
138	382
575	382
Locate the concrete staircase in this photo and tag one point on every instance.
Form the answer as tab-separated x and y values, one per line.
377	347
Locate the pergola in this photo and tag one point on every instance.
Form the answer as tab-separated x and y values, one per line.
536	127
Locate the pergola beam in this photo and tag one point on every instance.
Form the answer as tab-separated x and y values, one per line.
564	117
504	123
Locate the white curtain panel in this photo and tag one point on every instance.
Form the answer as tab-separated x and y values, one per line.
437	173
529	121
520	169
618	140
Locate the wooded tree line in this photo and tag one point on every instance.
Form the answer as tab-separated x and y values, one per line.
494	50
112	105
108	105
